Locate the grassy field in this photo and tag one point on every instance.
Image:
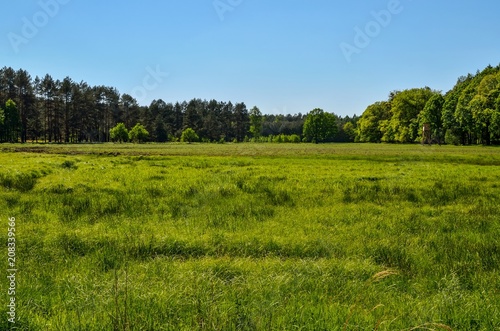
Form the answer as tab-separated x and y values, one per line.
252	237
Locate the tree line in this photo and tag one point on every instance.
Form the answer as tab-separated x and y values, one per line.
467	114
64	111
55	111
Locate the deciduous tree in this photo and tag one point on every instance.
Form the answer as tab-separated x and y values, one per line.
369	125
119	133
320	126
405	109
138	134
11	122
189	136
432	114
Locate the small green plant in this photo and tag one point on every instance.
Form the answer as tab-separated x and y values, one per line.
22	182
68	164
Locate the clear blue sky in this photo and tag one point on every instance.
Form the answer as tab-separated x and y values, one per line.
282	56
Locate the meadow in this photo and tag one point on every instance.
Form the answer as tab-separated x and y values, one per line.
252	236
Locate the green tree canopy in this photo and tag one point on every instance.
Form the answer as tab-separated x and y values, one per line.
405	108
255	122
349	130
320	126
11	121
189	136
432	114
119	133
2	116
369	125
138	134
495	126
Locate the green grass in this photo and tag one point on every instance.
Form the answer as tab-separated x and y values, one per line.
253	236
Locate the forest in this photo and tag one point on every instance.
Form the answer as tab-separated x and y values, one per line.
467	114
49	110
53	111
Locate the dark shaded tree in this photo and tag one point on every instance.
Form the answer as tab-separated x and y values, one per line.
11	122
241	121
26	102
255	122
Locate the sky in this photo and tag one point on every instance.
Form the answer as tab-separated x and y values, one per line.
283	56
